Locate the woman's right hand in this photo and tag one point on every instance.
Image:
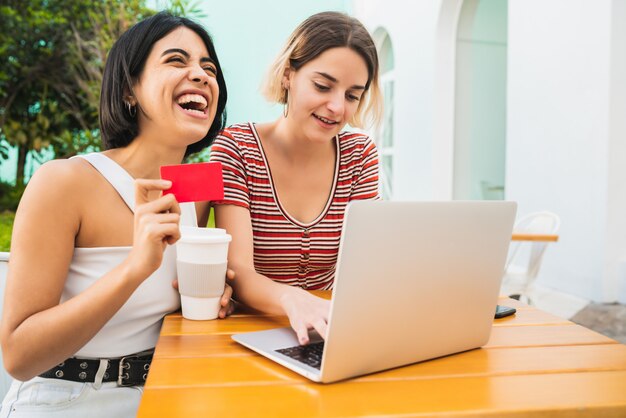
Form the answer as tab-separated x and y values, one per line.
156	225
305	312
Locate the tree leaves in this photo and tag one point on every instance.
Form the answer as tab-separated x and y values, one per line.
50	86
53	55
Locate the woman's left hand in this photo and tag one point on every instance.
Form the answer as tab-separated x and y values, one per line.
228	305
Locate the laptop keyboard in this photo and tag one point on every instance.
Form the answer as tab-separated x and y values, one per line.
310	354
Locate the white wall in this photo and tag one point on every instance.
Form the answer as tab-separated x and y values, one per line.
248	36
615	257
412	28
558	134
480	100
5	378
566	129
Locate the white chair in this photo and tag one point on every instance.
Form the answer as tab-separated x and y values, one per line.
5	378
522	266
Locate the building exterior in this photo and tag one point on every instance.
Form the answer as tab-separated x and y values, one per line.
522	100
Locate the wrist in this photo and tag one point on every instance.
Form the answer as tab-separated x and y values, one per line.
287	297
131	273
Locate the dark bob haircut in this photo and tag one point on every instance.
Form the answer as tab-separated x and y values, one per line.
125	64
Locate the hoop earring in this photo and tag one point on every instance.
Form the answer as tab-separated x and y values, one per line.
132	110
286	107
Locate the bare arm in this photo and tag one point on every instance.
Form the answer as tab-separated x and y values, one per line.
304	310
203	210
37	332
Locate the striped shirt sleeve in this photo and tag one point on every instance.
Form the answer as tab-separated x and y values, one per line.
366	187
227	150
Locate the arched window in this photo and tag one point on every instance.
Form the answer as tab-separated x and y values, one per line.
480	101
385	135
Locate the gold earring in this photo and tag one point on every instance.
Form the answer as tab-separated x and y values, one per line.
132	110
286	107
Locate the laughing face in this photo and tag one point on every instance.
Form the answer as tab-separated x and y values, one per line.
325	93
177	89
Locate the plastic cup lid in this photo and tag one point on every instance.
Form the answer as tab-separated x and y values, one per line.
194	234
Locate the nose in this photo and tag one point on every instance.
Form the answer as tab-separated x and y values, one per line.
336	104
198	75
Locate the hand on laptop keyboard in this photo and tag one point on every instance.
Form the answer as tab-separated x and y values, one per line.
309	354
305	311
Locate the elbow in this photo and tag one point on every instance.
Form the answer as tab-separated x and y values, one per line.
14	365
19	373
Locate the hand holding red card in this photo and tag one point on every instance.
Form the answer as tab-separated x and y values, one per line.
194	182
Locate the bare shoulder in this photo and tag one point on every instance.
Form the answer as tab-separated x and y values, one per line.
65	168
60	175
58	185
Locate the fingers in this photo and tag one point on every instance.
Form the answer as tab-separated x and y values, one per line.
174	236
175	284
160	226
230	274
169	232
320	326
227	310
228	292
302	329
159	218
305	312
163	204
302	332
144	188
225	302
152	221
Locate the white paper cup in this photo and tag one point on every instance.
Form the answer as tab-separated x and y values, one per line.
201	258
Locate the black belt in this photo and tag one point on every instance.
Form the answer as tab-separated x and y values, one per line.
130	370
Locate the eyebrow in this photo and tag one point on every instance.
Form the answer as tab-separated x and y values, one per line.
334	80
186	54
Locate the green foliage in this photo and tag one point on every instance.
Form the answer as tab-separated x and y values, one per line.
6	227
191	9
10	196
211	221
199	157
53	55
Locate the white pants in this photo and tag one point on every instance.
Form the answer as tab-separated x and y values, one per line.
48	398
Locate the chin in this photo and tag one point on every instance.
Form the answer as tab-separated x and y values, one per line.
194	135
188	140
318	134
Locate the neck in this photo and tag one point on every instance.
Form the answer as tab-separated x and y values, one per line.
143	159
290	140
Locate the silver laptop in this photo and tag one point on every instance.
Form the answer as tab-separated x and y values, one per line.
414	281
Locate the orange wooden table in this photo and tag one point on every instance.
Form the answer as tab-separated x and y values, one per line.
534	237
535	365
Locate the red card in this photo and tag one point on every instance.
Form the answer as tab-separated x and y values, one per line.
194	182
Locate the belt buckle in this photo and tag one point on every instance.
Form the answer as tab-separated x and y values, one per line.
124	365
122	374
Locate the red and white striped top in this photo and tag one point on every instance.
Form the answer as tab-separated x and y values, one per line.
286	250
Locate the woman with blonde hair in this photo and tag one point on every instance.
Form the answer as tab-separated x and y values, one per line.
287	182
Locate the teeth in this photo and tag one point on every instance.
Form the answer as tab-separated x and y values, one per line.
325	120
199	112
195	98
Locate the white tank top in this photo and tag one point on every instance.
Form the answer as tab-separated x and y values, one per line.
135	327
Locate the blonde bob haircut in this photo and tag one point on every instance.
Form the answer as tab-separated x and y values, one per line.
311	38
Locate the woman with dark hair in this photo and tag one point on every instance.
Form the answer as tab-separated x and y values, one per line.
287	182
92	261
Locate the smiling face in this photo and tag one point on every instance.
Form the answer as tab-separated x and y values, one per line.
325	93
177	90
